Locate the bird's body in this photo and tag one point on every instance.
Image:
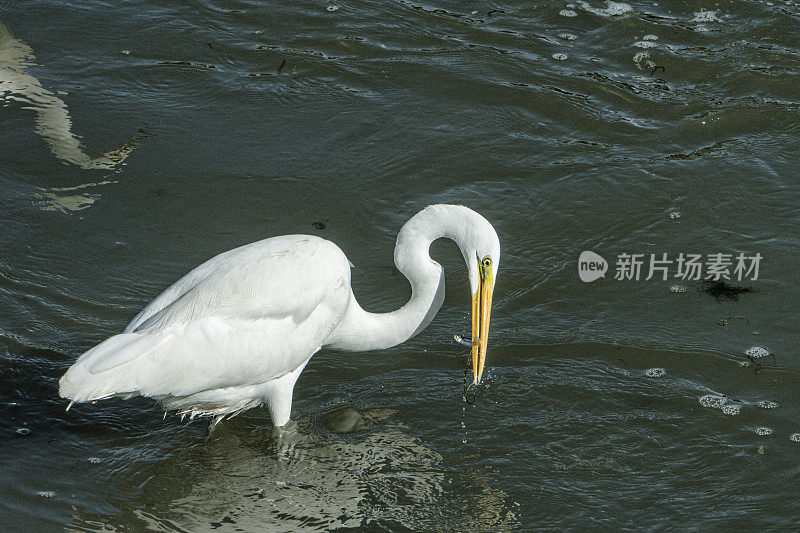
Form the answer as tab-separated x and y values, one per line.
238	330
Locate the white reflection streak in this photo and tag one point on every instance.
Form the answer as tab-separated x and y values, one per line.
53	122
54	200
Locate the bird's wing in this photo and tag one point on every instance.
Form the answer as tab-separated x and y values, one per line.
269	278
244	317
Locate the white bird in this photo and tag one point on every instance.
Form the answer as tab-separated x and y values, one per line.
238	330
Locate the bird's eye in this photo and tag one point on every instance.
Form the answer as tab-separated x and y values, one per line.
487	261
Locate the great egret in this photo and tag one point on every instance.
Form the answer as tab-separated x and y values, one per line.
238	330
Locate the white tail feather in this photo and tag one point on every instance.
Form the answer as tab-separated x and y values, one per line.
100	372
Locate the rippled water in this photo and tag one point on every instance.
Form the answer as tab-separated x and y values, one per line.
141	138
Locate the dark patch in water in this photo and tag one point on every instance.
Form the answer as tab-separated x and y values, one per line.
706	150
722	290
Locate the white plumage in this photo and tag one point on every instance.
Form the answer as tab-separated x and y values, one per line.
238	330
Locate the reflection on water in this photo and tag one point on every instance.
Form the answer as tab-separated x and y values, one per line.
68	199
53	122
240	479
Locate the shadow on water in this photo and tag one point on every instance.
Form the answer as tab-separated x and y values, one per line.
373	475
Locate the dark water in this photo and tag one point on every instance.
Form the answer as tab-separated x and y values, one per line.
140	138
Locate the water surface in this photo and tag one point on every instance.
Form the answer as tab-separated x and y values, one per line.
140	139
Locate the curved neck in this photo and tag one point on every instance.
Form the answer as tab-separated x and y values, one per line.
362	330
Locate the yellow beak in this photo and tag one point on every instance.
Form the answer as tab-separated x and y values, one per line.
481	310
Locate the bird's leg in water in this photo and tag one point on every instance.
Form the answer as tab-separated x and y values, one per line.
285	438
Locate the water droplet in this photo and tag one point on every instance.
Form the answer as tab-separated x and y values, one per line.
756	352
795	437
568	13
706	16
677	288
763	431
712	400
655	372
612	9
641	58
23	432
731	409
767	404
560	57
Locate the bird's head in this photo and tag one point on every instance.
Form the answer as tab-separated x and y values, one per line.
481	249
478	242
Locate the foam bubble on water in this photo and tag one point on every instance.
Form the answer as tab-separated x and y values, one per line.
795	437
650	37
744	363
46	493
645	44
674	214
568	13
677	289
713	401
23	432
706	16
756	352
655	372
567	36
95	460
643	62
332	7
767	404
731	409
763	431
612	9
560	56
